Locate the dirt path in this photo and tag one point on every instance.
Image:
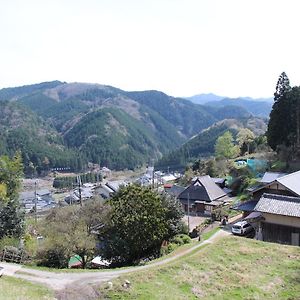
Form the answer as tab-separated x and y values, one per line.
60	281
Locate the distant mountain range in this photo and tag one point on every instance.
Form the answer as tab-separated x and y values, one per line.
256	106
58	124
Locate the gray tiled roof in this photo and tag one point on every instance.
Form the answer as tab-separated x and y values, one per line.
203	188
246	206
279	205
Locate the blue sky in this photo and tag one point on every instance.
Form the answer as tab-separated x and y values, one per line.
181	47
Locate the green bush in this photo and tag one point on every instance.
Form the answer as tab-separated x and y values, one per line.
181	239
53	258
164	250
185	238
183	228
9	241
177	240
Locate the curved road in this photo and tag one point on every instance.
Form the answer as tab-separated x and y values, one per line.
59	281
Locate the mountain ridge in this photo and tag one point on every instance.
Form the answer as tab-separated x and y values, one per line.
149	123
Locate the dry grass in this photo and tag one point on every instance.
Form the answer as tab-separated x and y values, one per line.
18	289
231	268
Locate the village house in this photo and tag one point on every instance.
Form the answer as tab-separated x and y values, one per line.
202	196
274	208
42	199
280	219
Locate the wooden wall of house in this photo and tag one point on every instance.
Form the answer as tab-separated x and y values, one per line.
279	233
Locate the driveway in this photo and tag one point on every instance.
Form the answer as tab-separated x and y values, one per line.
194	221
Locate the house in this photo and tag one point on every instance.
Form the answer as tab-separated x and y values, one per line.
202	196
108	189
280	218
274	209
246	207
288	185
220	182
174	190
42	199
271	176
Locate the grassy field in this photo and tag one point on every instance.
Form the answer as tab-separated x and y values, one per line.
18	289
232	268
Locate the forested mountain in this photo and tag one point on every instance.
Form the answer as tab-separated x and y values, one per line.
41	146
202	145
17	92
104	124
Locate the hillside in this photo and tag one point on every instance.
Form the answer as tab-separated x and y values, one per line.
202	145
127	141
232	268
41	146
110	126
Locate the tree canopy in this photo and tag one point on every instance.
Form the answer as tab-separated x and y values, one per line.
140	221
244	137
224	146
284	123
11	218
68	231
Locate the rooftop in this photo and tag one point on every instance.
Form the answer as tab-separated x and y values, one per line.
279	205
203	188
291	182
271	176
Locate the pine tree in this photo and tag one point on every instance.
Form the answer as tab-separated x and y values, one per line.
279	127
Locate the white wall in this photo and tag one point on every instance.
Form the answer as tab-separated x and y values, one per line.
282	220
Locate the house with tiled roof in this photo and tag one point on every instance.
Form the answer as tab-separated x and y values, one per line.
274	208
288	185
280	219
202	196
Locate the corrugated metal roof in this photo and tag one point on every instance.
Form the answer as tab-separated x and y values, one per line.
291	181
271	176
279	205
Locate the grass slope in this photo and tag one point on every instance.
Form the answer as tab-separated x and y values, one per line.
232	268
13	288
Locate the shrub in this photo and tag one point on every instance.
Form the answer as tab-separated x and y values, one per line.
185	238
177	240
52	258
9	241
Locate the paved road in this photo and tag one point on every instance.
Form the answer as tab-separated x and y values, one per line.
59	281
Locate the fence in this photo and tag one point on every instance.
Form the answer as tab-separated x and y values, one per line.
12	254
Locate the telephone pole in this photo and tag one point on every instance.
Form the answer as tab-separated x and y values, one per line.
188	210
35	204
79	189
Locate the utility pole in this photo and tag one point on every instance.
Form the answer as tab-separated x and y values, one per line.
35	204
188	210
153	173
79	189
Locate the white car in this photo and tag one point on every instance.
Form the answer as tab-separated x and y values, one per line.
241	228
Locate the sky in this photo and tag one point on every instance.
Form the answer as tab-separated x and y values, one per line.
181	47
